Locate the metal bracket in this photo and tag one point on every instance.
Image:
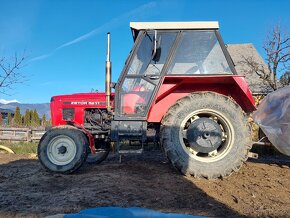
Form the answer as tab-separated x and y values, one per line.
253	155
90	136
262	143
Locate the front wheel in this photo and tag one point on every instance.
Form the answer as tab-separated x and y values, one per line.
206	135
62	150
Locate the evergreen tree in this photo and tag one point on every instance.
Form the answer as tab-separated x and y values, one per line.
9	119
17	117
27	118
35	121
43	120
32	119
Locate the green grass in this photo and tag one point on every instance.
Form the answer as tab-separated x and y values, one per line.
21	147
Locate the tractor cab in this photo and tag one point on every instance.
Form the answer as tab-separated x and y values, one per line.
167	49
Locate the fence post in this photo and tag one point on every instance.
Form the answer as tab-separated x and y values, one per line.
28	135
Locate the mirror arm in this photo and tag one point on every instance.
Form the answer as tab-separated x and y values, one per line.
155	44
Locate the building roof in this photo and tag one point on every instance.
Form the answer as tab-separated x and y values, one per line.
238	54
174	25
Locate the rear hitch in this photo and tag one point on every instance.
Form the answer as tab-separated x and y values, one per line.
262	143
253	155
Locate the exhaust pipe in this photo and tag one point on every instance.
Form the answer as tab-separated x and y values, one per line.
108	75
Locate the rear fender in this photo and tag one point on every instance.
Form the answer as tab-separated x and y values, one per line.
174	88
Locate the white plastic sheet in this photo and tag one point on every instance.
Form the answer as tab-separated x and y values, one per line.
273	116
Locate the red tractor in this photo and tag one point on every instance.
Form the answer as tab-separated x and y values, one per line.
179	87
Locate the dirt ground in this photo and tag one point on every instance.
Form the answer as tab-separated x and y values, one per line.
260	189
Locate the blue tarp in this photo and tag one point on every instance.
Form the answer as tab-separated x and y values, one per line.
118	212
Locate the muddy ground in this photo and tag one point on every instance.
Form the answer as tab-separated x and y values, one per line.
260	189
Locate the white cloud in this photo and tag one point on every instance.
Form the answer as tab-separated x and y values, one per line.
139	11
3	101
41	57
143	9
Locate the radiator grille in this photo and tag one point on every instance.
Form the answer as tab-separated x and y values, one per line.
68	114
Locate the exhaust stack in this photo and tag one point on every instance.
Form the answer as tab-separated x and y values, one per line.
108	75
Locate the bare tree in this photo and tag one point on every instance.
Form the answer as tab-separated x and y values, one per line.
10	73
277	48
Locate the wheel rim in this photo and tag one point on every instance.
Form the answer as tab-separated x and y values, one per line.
61	150
217	125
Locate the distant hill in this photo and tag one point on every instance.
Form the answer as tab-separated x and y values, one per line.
41	108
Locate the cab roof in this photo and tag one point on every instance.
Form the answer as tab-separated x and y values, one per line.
174	25
201	25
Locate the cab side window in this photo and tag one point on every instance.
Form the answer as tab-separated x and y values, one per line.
199	52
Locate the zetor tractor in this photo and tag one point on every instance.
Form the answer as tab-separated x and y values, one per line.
179	87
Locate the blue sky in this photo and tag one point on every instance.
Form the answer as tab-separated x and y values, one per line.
65	40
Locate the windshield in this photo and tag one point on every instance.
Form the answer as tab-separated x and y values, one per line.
137	87
145	61
142	57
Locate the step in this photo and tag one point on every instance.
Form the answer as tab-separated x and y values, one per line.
137	151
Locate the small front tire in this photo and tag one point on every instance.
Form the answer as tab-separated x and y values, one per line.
62	150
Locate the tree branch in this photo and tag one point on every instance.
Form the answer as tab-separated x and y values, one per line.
10	73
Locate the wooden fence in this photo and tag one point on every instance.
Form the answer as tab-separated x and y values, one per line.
21	134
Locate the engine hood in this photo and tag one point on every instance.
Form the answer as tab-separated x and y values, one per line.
82	99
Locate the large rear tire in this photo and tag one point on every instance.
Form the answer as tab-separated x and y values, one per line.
206	135
63	150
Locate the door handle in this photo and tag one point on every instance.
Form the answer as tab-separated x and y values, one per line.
153	77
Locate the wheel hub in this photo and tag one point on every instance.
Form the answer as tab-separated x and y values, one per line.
204	135
62	150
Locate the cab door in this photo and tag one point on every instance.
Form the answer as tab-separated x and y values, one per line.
142	74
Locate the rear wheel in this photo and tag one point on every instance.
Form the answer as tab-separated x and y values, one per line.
102	152
206	135
62	150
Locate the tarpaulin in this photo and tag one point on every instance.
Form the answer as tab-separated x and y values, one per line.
273	116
